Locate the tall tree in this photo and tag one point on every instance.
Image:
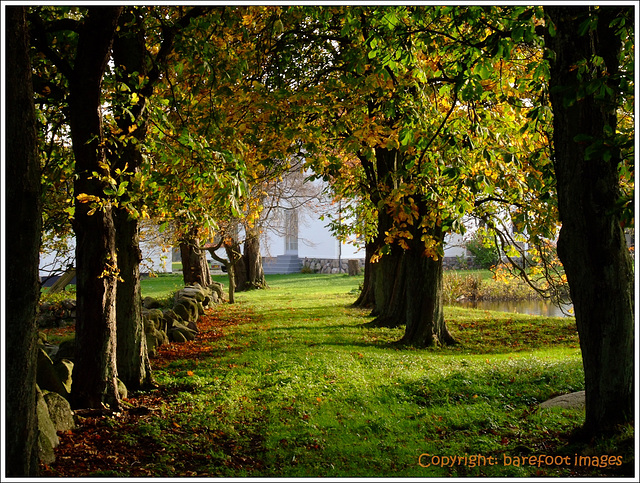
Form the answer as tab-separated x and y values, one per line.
23	244
588	83
131	71
80	55
137	72
95	372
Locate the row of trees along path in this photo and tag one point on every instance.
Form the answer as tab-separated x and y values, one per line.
416	116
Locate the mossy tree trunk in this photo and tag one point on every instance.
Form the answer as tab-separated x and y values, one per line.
23	245
195	268
134	367
94	374
592	245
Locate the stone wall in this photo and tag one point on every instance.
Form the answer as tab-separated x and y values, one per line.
459	263
328	265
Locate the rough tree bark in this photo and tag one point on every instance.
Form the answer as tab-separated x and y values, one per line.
591	245
195	268
407	285
366	299
252	262
23	244
95	373
424	317
134	367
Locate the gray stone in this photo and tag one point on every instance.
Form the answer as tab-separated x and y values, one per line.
200	308
218	289
149	324
571	400
67	349
150	303
50	349
64	369
177	336
169	318
187	309
161	337
151	344
122	389
188	333
193	292
69	304
59	411
47	437
155	315
47	377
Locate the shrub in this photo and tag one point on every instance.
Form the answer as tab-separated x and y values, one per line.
483	248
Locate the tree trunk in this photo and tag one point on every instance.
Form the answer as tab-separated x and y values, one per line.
234	266
366	298
195	268
23	245
252	262
591	245
94	374
389	288
425	325
134	367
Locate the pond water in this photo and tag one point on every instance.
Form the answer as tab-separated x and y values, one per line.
531	307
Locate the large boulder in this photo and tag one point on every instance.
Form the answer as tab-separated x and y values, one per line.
169	318
187	309
195	292
64	370
149	324
161	337
122	389
66	350
60	411
154	315
176	336
47	436
150	303
181	333
47	376
152	343
566	401
218	289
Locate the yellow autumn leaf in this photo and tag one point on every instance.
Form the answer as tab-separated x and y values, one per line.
85	198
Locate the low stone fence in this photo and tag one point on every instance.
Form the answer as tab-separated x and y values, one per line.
331	265
459	263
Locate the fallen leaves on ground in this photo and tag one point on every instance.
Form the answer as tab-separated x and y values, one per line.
98	446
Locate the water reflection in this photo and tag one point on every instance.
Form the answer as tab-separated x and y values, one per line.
531	307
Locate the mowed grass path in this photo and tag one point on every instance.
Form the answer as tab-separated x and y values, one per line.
297	386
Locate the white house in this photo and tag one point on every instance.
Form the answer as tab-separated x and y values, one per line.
298	232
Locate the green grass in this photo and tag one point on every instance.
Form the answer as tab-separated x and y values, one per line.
161	285
298	385
301	388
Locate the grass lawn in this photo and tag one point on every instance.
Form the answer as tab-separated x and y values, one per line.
289	382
